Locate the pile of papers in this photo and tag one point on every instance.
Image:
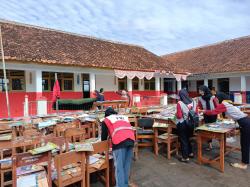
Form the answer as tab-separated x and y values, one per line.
169	111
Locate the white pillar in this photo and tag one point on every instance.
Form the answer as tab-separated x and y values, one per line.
162	84
174	85
243	83
30	81
129	85
206	82
141	84
243	88
38	81
92	82
157	84
178	86
26	106
77	82
215	84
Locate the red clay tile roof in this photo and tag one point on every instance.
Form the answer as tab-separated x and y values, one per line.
228	56
29	43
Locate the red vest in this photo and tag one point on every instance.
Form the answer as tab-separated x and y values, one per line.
119	128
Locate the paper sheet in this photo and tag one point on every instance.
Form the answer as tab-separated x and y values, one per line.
93	160
27	181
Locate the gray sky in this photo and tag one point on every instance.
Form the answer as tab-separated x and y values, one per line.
162	26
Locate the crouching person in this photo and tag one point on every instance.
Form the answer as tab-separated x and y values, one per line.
118	128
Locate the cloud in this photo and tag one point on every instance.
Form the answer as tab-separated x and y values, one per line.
160	26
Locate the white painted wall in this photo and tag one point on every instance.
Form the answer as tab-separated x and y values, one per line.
107	82
157	84
30	81
248	83
33	81
77	87
234	84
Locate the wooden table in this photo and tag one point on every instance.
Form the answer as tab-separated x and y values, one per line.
204	134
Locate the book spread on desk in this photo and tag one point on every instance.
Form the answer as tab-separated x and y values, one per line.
48	147
81	146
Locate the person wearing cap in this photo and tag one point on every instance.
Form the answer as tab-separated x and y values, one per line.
122	135
244	122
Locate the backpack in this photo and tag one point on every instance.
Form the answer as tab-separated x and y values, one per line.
192	118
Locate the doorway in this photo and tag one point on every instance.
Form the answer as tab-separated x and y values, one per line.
85	85
223	85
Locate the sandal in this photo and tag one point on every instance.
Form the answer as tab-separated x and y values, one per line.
238	165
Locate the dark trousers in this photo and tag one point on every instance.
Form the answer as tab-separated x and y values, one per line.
244	124
184	133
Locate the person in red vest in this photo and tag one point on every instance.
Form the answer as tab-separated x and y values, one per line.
118	128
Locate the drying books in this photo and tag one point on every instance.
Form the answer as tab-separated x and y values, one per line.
5	137
38	179
156	124
83	147
48	147
45	124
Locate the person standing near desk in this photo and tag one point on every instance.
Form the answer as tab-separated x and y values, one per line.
184	130
244	123
123	137
207	102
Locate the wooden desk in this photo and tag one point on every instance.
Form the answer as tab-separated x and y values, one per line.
114	104
204	135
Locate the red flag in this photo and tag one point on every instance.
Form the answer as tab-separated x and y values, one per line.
56	91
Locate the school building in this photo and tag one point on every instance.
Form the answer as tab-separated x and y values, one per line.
83	64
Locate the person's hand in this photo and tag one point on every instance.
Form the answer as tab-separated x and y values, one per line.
201	111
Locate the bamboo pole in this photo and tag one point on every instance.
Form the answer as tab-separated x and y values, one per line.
4	73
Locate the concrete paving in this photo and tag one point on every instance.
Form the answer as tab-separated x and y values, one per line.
160	172
152	171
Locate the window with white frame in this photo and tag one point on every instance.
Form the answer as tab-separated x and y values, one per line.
66	81
122	84
15	80
149	84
